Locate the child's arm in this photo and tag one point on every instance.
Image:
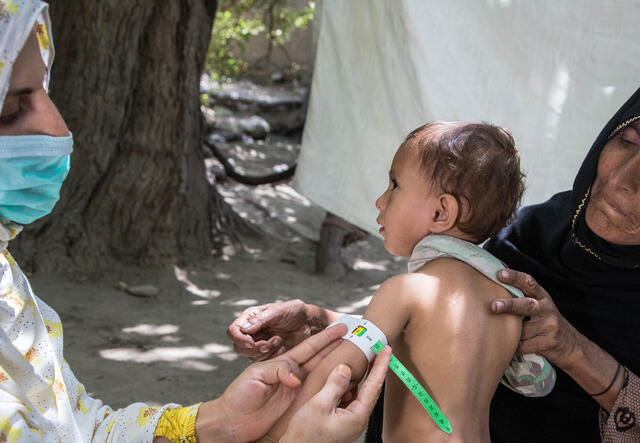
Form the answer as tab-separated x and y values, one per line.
390	310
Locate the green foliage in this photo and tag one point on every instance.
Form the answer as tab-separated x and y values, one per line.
204	99
238	20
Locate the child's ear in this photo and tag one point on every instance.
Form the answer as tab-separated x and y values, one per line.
446	213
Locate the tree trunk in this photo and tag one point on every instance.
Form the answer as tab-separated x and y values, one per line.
126	80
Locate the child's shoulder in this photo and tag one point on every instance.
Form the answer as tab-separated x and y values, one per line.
428	282
454	275
411	283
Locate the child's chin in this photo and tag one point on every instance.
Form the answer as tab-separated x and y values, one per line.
395	251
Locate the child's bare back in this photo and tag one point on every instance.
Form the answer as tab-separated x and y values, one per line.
455	349
438	324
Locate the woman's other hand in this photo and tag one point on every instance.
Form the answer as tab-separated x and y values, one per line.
545	330
262	393
321	421
263	332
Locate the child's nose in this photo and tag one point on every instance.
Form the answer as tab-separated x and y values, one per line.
380	202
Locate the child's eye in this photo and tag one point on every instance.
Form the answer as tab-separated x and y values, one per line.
394	183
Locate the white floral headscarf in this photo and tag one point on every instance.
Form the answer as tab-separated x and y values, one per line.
17	20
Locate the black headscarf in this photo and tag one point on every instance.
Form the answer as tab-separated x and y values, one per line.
596	287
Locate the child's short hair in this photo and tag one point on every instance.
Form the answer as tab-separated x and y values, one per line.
479	165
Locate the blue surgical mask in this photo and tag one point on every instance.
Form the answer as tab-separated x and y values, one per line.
32	169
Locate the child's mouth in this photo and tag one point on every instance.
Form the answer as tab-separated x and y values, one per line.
381	230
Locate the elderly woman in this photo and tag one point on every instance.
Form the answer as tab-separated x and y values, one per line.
40	398
584	247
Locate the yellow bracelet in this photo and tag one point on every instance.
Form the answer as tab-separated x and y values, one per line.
178	424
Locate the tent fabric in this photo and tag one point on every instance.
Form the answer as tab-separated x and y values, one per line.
550	72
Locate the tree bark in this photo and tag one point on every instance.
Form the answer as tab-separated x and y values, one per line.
126	80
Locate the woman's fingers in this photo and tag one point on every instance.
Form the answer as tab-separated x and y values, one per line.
250	321
370	389
539	344
266	350
529	305
279	371
546	331
258	350
534	328
315	344
239	338
334	388
519	306
260	317
313	361
522	281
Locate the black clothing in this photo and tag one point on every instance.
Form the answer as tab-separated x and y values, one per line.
596	287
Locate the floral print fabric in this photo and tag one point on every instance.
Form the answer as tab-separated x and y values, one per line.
40	398
621	425
17	20
530	375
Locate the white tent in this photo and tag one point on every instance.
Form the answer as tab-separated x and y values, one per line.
553	72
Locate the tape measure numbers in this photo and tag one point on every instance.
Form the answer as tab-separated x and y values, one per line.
371	340
416	389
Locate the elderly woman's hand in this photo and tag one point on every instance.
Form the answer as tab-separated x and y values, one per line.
545	331
263	332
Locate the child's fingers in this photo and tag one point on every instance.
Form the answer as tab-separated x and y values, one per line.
238	337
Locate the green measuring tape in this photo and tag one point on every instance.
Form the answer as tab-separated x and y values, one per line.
416	389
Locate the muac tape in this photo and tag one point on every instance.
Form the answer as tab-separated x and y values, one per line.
371	340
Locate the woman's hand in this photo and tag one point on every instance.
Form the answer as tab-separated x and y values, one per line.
545	331
321	421
548	333
262	393
263	332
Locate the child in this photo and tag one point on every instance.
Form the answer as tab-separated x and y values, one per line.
451	186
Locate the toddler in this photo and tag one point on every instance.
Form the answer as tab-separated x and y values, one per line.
452	185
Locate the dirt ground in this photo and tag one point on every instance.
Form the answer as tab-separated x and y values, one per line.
173	347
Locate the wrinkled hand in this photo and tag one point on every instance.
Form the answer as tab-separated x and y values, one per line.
320	421
546	331
263	332
262	393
